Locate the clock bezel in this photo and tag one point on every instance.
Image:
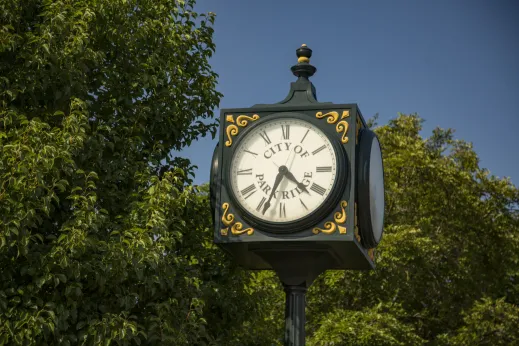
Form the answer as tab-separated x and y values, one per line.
331	201
367	139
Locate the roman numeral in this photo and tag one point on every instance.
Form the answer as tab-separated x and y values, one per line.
323	169
265	137
250	152
286	131
282	211
305	136
304	205
318	150
258	208
245	172
249	191
317	188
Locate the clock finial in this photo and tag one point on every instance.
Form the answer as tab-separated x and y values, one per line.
303	68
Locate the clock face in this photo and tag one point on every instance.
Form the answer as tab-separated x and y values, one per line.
283	170
376	189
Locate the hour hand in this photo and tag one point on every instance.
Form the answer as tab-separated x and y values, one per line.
291	177
279	177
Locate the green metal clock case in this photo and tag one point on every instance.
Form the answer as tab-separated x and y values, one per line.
343	249
337	191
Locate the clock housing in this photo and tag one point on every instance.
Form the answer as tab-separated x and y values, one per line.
255	243
329	236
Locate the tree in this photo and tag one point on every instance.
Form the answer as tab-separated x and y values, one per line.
447	267
94	212
488	322
104	239
450	251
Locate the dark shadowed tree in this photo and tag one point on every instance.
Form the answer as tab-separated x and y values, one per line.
94	94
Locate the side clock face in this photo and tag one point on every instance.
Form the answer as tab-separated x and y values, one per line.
370	185
283	170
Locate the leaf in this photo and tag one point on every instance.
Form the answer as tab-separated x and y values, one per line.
80	325
62	278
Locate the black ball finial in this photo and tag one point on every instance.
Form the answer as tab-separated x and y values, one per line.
303	67
303	53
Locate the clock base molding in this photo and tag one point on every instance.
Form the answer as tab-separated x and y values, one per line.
299	255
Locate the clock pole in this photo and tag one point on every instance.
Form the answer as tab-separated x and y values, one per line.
295	317
295	295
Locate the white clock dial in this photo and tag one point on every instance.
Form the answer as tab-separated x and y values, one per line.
292	154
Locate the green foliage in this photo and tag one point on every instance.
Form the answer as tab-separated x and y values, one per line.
96	217
451	239
377	325
489	322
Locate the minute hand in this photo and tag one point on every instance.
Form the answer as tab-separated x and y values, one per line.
279	177
291	177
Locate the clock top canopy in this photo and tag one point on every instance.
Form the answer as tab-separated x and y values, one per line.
302	91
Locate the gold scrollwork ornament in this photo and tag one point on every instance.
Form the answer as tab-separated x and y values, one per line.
243	120
356	232
357	236
232	130
236	229
329	228
227	219
340	216
342	126
332	116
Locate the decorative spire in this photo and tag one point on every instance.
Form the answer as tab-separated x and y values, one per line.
303	68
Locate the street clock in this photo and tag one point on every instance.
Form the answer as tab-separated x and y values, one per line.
298	186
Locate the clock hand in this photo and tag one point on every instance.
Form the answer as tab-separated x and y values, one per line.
291	177
289	154
279	177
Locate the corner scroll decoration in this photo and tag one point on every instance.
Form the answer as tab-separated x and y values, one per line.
237	229
233	130
228	220
329	228
332	118
339	218
357	235
342	126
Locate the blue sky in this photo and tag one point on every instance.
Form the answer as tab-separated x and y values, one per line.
455	63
